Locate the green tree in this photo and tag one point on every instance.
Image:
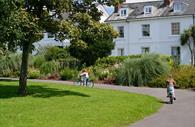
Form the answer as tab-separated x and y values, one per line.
90	40
188	38
23	23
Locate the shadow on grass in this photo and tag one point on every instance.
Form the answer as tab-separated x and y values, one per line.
9	91
7	80
165	102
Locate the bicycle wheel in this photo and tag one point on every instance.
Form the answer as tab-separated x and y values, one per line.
90	84
78	83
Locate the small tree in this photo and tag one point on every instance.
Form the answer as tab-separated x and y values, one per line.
188	38
22	23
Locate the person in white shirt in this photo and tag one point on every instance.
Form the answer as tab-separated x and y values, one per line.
170	85
84	76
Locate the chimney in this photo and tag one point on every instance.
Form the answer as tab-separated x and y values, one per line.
167	2
117	7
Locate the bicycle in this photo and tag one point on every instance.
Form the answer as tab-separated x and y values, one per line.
84	82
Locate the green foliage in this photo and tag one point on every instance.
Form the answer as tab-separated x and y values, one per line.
188	38
56	53
112	60
70	62
62	56
139	71
10	65
183	75
95	41
67	74
33	73
50	67
38	60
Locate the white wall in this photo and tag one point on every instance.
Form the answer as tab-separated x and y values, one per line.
160	40
121	42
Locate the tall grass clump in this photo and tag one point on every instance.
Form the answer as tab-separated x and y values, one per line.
139	71
10	65
50	67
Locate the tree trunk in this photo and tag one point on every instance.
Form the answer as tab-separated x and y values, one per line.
24	68
191	52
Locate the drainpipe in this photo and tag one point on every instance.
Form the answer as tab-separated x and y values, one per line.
193	38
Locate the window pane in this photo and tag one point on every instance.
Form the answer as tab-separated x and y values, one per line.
146	30
175	28
145	50
120	51
121	31
175	52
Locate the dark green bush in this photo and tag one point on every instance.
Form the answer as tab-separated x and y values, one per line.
56	53
140	71
183	75
68	74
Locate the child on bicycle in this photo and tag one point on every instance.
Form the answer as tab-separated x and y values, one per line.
170	85
84	76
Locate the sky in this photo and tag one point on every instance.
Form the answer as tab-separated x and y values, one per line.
109	9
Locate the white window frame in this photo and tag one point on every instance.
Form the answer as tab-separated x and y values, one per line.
146	27
147	9
121	31
123	11
177	6
175	28
176	54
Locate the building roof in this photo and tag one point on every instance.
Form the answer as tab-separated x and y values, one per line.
136	10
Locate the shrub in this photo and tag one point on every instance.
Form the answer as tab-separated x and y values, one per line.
140	71
69	62
67	74
38	61
10	65
33	73
183	75
56	53
50	67
112	60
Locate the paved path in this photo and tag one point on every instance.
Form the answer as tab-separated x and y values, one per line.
179	114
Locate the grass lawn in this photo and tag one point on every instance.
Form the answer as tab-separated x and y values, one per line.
58	105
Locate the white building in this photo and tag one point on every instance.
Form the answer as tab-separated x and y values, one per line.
153	26
49	39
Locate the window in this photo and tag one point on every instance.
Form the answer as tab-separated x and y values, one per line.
145	50
146	30
123	12
177	7
147	9
121	31
175	28
175	52
120	51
